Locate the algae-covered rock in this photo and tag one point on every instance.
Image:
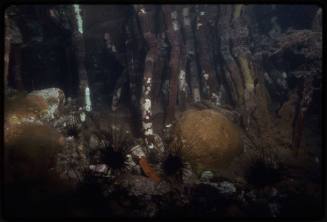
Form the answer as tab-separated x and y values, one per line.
31	145
211	140
21	107
35	108
53	97
39	105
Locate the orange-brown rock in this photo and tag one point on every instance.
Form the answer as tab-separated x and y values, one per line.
39	104
30	144
211	140
23	106
35	108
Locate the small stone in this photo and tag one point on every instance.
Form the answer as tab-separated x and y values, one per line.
206	176
137	151
93	142
70	138
99	168
227	187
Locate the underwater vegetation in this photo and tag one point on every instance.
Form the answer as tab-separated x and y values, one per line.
163	111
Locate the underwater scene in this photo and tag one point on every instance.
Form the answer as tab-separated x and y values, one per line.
162	111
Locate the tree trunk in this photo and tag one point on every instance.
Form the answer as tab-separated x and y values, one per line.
159	69
134	56
191	58
118	50
7	51
146	15
230	68
305	92
13	53
79	46
248	91
205	51
174	35
17	57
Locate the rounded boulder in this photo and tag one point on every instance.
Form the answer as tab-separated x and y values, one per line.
211	141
